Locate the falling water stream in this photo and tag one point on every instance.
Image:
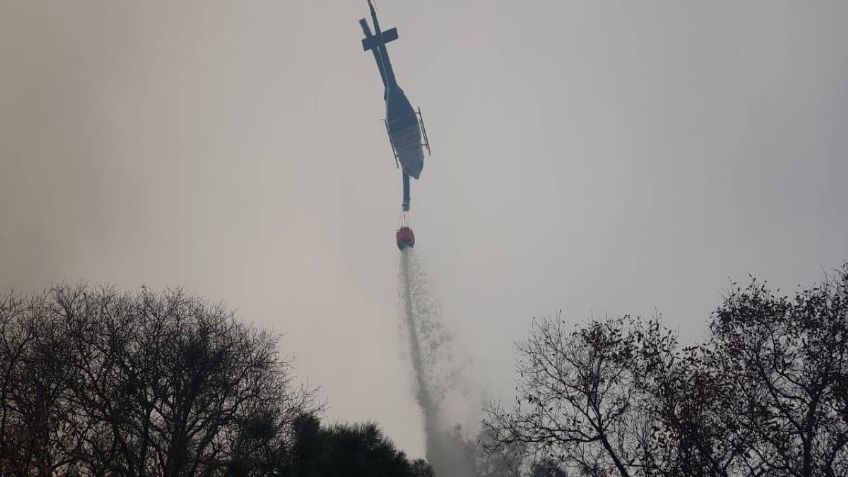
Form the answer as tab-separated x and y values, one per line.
445	450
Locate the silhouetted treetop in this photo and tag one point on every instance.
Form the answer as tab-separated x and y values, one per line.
137	384
765	394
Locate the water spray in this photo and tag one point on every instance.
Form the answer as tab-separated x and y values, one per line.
430	350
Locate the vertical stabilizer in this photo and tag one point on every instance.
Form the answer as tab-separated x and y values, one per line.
377	44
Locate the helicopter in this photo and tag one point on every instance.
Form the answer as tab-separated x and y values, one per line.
404	124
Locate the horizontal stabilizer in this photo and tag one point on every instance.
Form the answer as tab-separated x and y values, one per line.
374	41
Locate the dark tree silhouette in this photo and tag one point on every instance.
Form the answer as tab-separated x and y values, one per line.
685	404
576	397
36	423
98	383
343	450
144	384
787	360
765	394
546	468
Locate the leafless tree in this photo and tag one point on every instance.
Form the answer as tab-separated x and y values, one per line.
34	415
766	394
684	404
576	398
787	359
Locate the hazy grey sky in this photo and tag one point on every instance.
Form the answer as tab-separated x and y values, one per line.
594	157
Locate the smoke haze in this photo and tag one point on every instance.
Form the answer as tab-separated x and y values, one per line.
594	157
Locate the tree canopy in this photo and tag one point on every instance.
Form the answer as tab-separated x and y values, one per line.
97	382
766	393
343	450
